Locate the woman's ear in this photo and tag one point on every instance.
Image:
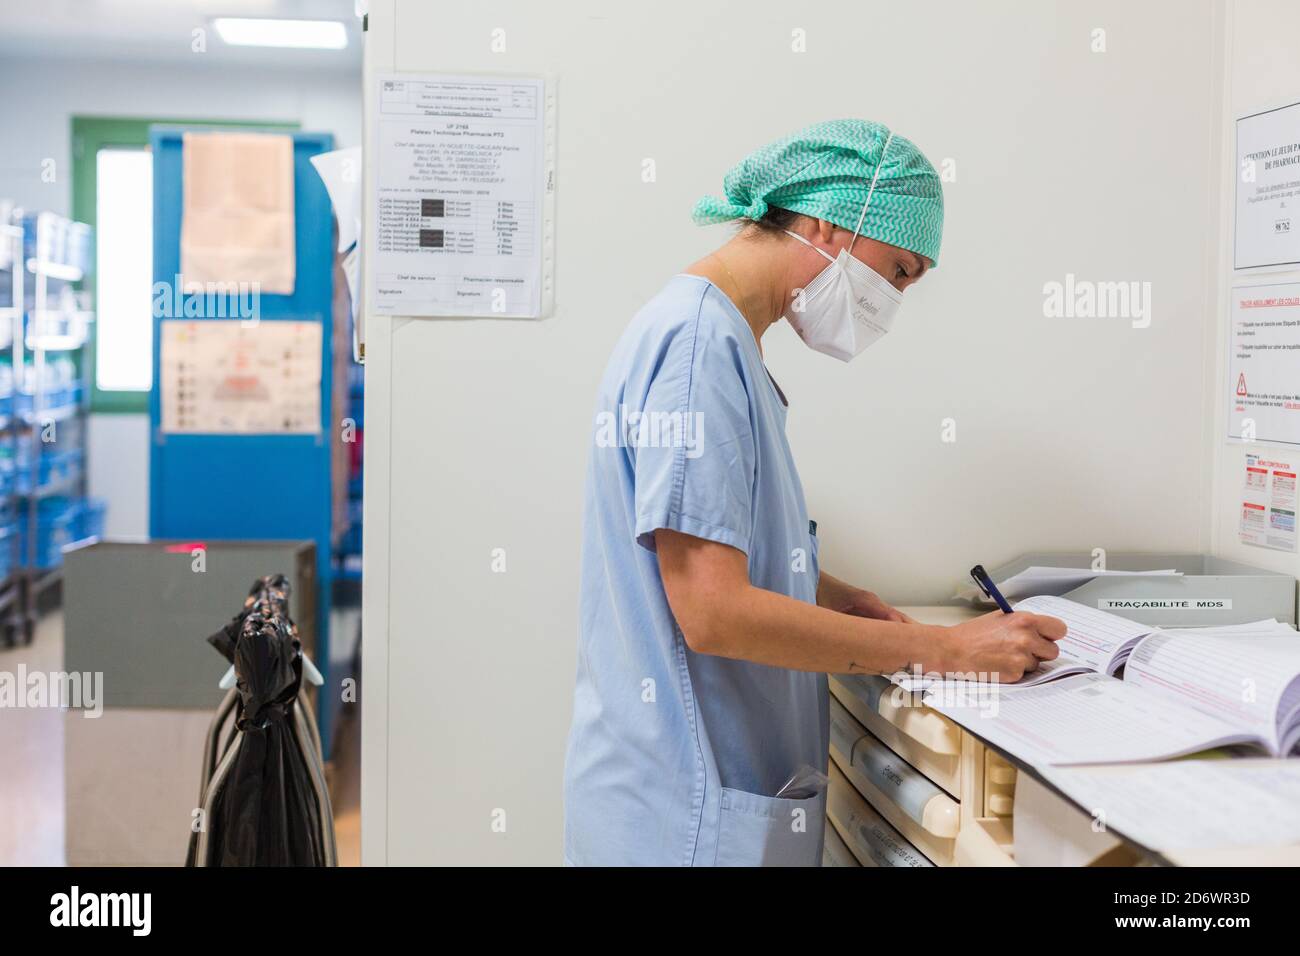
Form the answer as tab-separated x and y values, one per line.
826	231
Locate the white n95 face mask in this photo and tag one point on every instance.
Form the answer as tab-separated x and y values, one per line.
848	305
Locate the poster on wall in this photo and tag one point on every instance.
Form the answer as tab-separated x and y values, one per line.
1268	189
1268	504
234	377
1263	383
464	195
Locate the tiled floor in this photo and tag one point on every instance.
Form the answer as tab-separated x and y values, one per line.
32	755
31	761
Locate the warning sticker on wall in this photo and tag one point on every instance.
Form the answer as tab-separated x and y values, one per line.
1268	504
1264	364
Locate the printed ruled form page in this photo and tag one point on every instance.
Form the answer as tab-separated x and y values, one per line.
1242	678
1093	639
1088	718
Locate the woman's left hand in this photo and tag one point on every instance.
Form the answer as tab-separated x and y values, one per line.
837	595
862	603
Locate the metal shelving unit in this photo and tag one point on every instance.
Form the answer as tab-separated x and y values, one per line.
11	323
45	508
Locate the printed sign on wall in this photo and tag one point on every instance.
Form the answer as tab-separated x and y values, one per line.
234	377
1268	504
1264	364
1268	189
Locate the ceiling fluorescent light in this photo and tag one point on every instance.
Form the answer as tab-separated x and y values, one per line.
300	34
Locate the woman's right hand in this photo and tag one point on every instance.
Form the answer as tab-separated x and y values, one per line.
1002	647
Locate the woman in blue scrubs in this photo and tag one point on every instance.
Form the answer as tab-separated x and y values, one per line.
707	626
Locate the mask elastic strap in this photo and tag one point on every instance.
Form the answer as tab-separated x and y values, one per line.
872	189
822	252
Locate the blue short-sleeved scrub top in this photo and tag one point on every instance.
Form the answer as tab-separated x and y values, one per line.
674	757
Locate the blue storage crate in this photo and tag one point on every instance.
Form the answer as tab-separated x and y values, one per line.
55	519
8	539
80	247
52	467
8	468
50	237
90	518
60	465
57	397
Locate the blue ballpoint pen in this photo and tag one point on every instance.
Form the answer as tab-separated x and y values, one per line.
989	588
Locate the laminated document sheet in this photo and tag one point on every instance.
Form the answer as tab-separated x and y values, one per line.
237	223
229	377
1263	384
464	193
1268	504
1191	804
1268	186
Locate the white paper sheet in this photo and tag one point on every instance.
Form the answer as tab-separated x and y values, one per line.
1263	384
1088	718
1045	671
1043	580
1094	642
461	189
1241	676
1268	504
340	171
1267	232
1094	639
1188	804
226	376
237	222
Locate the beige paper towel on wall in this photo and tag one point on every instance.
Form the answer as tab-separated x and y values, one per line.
237	221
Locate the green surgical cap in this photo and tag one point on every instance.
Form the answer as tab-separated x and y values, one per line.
825	171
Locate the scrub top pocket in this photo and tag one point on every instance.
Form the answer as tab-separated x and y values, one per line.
770	831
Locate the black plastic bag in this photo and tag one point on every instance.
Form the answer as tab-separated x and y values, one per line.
265	811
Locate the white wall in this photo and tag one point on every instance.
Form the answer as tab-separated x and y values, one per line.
1071	433
1262	72
117	448
42	95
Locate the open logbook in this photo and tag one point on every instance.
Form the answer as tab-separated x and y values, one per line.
1182	691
